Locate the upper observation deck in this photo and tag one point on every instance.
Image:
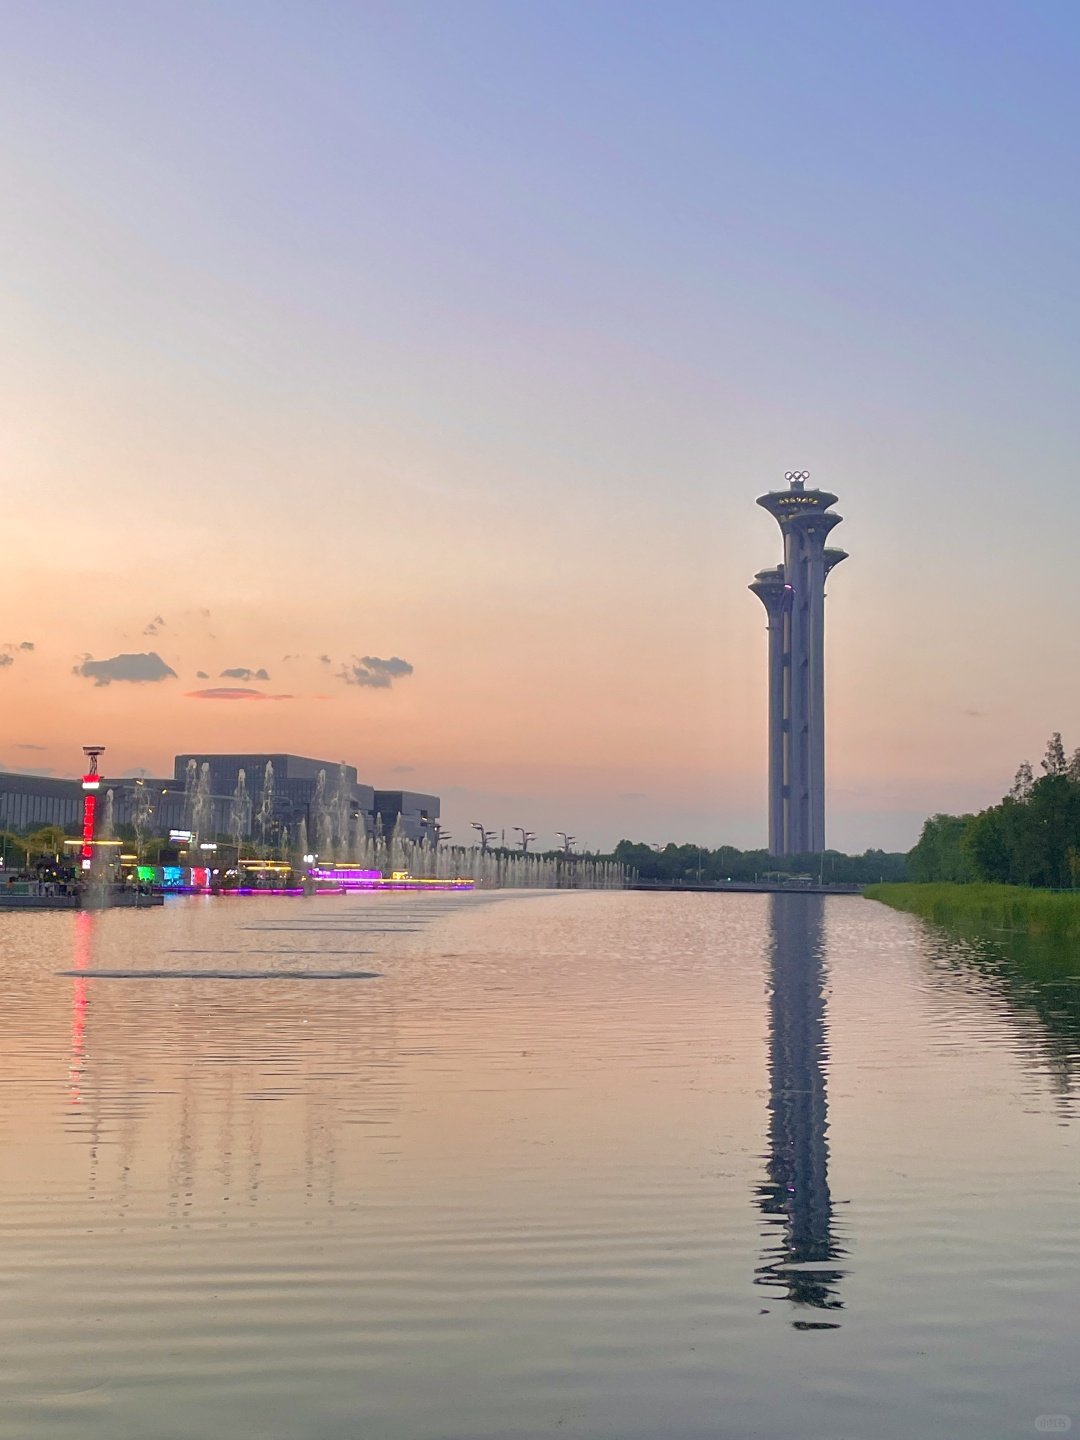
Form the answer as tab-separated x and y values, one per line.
796	503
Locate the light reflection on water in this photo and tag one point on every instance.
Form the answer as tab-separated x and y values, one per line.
606	1164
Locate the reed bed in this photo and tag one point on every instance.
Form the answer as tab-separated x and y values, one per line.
999	907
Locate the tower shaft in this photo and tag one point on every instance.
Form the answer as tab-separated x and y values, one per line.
794	598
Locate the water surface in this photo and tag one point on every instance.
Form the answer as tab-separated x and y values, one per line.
595	1164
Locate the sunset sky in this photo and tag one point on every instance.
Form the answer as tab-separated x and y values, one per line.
465	335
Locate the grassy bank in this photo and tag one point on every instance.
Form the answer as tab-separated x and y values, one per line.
998	907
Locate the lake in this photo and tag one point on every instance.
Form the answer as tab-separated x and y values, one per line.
604	1164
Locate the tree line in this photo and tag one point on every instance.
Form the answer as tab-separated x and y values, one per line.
1032	837
693	864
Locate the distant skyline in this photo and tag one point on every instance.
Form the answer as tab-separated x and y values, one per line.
453	343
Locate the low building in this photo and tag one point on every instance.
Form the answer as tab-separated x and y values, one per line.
279	792
29	801
284	788
162	802
419	814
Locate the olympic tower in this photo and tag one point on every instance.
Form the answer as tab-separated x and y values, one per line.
794	598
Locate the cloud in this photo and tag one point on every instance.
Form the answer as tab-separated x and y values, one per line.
31	747
155	625
403	769
201	675
231	693
9	651
325	660
241	672
138	669
374	673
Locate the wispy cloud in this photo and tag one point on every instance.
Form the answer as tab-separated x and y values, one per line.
31	747
373	673
232	693
139	669
155	626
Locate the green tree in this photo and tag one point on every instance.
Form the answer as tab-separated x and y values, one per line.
1054	762
49	840
13	848
941	853
990	842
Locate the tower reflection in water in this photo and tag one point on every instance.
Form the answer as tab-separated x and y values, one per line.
800	1260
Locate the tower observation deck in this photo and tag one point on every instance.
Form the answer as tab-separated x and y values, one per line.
794	598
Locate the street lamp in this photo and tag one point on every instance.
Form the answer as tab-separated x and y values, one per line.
526	836
567	841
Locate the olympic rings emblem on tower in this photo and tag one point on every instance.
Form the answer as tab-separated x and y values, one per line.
797	475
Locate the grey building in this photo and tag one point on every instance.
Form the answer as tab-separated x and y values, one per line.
162	801
288	784
794	598
418	813
29	801
332	806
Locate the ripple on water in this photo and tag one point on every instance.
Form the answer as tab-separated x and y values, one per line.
614	1165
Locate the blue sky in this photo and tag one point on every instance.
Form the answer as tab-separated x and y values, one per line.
470	332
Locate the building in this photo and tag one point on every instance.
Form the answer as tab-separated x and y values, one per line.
419	814
161	802
27	802
794	598
279	792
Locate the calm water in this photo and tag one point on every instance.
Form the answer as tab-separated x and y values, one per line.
606	1165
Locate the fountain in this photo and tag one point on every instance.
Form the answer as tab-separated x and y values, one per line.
240	812
340	814
202	806
96	890
322	820
265	824
141	812
191	780
420	862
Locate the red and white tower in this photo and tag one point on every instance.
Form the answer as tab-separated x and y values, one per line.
91	784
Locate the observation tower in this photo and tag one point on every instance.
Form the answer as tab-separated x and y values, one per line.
794	598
